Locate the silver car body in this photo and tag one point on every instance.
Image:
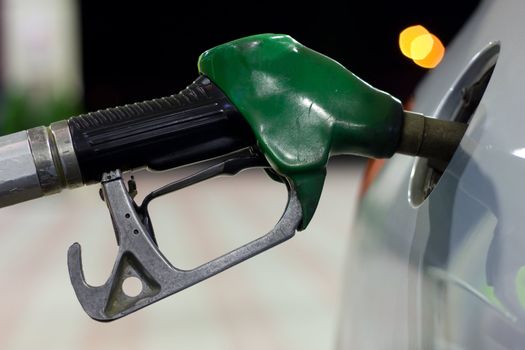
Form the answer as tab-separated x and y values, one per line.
448	271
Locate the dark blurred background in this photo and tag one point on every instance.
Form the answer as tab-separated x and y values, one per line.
141	50
62	57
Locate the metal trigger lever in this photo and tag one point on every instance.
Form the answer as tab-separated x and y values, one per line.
139	256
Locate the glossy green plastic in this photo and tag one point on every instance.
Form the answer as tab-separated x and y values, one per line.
303	107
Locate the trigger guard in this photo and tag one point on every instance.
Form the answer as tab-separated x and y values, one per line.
140	257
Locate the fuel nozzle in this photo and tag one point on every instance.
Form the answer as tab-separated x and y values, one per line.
196	124
430	138
264	101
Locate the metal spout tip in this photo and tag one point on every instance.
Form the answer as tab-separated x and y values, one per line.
430	138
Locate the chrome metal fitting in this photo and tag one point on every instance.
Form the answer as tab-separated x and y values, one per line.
54	157
65	153
46	168
37	162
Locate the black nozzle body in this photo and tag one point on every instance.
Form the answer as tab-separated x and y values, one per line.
196	124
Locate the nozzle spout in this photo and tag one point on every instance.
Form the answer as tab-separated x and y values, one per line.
430	138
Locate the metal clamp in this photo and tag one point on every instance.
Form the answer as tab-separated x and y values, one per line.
140	257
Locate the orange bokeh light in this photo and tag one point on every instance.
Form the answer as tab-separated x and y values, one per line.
423	47
407	36
434	56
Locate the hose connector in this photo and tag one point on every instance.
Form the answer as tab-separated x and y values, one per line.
37	162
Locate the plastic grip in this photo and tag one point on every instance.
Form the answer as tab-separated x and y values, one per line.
192	94
196	124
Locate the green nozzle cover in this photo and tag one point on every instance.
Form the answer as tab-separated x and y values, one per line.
303	107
